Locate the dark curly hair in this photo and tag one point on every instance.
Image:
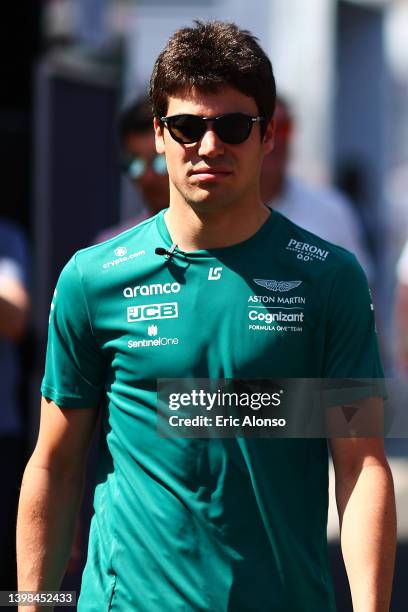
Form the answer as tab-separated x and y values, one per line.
208	56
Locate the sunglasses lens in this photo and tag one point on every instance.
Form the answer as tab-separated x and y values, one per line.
159	165
233	128
186	128
136	168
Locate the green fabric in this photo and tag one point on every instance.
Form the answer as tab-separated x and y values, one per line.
205	524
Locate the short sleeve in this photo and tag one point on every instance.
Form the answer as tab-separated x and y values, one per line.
351	337
74	369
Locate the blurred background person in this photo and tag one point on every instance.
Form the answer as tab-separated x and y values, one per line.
401	315
14	307
145	168
397	194
321	210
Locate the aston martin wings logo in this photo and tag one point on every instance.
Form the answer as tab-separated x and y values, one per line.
280	286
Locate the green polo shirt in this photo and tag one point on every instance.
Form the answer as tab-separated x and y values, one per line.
188	524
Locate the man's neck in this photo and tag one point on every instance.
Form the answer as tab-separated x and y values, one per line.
192	230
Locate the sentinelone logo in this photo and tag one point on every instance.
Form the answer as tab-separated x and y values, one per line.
307	252
152	330
162	341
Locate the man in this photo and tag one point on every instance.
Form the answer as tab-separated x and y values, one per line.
14	307
194	523
144	167
323	211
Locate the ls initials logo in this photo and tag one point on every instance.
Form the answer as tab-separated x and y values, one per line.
214	274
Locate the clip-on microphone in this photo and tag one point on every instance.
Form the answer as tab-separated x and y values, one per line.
168	254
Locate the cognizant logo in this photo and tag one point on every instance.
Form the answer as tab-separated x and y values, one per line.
156	289
270	317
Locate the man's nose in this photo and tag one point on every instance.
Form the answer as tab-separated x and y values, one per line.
210	145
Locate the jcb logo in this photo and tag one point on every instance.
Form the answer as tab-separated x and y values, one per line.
214	273
149	312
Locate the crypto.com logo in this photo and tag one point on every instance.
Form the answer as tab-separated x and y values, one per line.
120	251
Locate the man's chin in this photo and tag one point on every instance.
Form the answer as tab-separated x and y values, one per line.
208	202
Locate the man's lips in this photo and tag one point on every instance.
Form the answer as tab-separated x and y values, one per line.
208	173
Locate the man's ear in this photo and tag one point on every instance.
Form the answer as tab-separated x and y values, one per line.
158	136
269	137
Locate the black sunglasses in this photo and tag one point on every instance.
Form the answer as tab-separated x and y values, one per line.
232	128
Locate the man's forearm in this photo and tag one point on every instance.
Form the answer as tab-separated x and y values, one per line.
47	514
366	507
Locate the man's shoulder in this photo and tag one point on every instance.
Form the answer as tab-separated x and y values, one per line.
129	244
98	268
